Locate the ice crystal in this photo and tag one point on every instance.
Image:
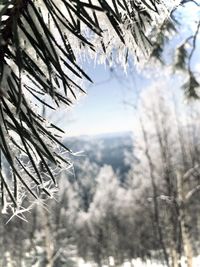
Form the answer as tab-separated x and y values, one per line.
42	44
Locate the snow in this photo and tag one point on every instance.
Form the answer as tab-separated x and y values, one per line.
82	263
139	263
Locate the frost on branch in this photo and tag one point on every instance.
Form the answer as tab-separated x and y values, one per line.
41	44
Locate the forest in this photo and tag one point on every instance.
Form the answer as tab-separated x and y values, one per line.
131	205
126	199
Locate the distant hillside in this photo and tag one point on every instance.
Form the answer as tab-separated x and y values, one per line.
103	149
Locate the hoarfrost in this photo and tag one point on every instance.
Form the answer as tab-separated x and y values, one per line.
136	29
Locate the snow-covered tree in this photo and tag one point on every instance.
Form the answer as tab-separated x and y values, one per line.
41	43
98	222
49	236
164	153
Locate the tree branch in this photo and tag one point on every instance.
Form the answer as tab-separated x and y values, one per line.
7	30
190	173
192	192
193	48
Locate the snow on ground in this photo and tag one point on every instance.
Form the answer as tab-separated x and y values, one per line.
139	263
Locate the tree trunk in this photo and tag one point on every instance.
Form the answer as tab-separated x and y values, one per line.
49	246
155	194
187	245
174	257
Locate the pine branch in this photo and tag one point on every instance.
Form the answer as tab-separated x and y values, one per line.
39	45
13	10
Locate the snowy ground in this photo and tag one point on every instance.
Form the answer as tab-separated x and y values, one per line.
139	263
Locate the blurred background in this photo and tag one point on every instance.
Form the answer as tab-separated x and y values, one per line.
132	197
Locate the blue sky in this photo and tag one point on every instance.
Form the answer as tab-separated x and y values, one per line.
103	110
